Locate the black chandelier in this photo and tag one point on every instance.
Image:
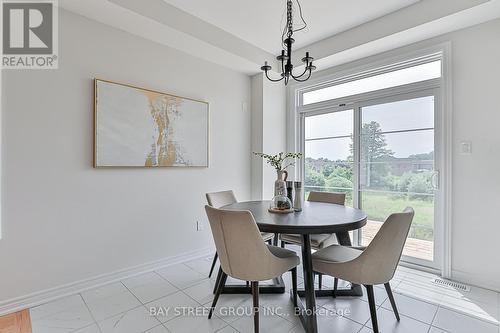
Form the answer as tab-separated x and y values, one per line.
286	53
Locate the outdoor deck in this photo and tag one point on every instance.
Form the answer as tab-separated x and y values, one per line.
414	247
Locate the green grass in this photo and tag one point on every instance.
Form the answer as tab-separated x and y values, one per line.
379	206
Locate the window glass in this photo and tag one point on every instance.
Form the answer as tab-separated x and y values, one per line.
400	77
409	114
376	147
329	125
338	149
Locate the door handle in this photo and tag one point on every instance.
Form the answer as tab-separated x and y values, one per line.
435	180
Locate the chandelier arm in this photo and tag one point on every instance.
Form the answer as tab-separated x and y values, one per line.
304	80
275	80
299	76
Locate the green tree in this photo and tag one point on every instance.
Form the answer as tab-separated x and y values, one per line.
328	170
404	181
421	183
340	184
313	178
373	152
373	145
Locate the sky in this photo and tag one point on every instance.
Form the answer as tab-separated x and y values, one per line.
399	77
402	115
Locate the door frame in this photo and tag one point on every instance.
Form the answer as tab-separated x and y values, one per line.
296	113
438	147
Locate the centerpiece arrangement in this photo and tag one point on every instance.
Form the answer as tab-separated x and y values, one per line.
282	201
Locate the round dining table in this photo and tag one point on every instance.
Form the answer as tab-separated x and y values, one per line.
314	218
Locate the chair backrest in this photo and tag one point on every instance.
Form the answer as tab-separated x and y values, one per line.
328	197
381	257
219	199
242	252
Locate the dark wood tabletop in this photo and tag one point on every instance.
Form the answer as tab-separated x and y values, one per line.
315	218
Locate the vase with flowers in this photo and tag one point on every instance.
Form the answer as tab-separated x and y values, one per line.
280	162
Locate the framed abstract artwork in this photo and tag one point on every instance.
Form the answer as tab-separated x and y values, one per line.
135	127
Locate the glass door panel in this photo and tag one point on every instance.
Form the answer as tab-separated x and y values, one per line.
396	170
328	150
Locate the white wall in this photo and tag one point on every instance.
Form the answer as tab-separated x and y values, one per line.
62	220
476	180
268	132
274	129
257	103
476	117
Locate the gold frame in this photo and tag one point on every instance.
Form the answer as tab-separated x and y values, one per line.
144	166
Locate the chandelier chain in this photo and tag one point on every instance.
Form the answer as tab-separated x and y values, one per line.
289	18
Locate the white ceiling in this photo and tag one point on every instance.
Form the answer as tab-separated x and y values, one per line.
233	33
259	22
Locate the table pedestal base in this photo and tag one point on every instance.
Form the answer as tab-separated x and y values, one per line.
300	310
354	291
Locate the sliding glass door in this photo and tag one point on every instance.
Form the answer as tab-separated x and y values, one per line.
397	168
382	154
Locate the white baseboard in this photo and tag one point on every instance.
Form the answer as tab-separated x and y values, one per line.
44	296
475	280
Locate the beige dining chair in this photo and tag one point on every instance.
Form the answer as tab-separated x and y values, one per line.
376	264
223	198
245	256
322	240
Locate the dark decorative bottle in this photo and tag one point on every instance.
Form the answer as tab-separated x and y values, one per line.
289	190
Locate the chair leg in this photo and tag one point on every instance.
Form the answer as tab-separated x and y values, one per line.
335	285
320	280
217	281
294	285
247	283
222	282
391	299
270	241
255	296
282	244
213	265
373	307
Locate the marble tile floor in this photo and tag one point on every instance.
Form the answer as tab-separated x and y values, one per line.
182	294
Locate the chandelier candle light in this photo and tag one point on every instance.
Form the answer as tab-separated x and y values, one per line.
286	53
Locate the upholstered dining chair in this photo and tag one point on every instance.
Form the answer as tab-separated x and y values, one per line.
245	256
376	264
223	198
322	240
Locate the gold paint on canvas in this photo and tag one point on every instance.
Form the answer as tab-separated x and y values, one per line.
163	150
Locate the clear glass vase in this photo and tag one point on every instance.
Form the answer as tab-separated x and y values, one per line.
280	202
